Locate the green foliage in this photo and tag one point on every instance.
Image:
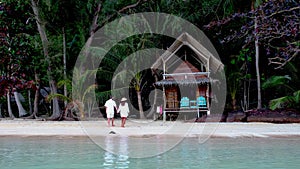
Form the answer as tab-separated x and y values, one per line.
276	81
22	47
60	96
19	49
65	82
79	89
282	82
234	83
281	102
292	101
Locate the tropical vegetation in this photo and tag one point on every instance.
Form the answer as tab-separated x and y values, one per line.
40	40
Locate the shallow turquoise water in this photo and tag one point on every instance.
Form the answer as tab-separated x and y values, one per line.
82	153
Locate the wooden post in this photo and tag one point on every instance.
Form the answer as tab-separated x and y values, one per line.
207	100
207	89
164	92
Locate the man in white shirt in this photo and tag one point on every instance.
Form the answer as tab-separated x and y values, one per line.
110	106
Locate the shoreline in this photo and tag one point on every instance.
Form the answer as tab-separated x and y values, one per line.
146	129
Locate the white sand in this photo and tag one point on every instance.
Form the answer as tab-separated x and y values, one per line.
140	128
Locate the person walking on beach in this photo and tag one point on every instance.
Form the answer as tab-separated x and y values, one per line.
124	110
110	106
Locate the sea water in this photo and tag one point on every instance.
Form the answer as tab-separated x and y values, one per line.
215	153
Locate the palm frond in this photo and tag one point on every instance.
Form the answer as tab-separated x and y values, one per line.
82	82
88	90
105	74
275	81
103	95
60	96
122	76
66	82
280	102
297	96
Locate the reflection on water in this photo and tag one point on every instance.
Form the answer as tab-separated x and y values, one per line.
121	159
81	153
134	147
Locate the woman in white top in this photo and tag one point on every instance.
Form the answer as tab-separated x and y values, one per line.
124	110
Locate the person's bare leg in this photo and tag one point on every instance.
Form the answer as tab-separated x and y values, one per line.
108	122
124	122
112	122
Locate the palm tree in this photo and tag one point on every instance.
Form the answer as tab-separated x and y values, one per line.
234	84
133	81
291	100
80	92
129	75
285	101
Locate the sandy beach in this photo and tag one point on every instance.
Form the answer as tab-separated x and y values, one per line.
139	128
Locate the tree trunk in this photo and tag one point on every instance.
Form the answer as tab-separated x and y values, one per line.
142	116
257	66
233	102
55	109
65	63
9	106
253	3
248	93
1	110
36	97
153	108
22	111
29	101
245	102
42	31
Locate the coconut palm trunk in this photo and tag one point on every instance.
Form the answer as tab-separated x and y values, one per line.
140	104
11	115
22	111
65	62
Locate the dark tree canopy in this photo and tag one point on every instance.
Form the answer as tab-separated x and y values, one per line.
277	30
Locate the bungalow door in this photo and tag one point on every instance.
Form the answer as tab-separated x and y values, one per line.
172	100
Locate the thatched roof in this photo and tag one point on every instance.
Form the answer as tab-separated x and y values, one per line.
169	82
202	53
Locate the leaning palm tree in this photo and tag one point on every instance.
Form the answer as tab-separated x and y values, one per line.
22	111
79	98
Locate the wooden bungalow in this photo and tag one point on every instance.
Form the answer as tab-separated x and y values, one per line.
185	81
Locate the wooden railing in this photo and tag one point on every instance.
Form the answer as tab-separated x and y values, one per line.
186	106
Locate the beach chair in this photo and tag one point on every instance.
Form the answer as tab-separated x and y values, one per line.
201	102
184	102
